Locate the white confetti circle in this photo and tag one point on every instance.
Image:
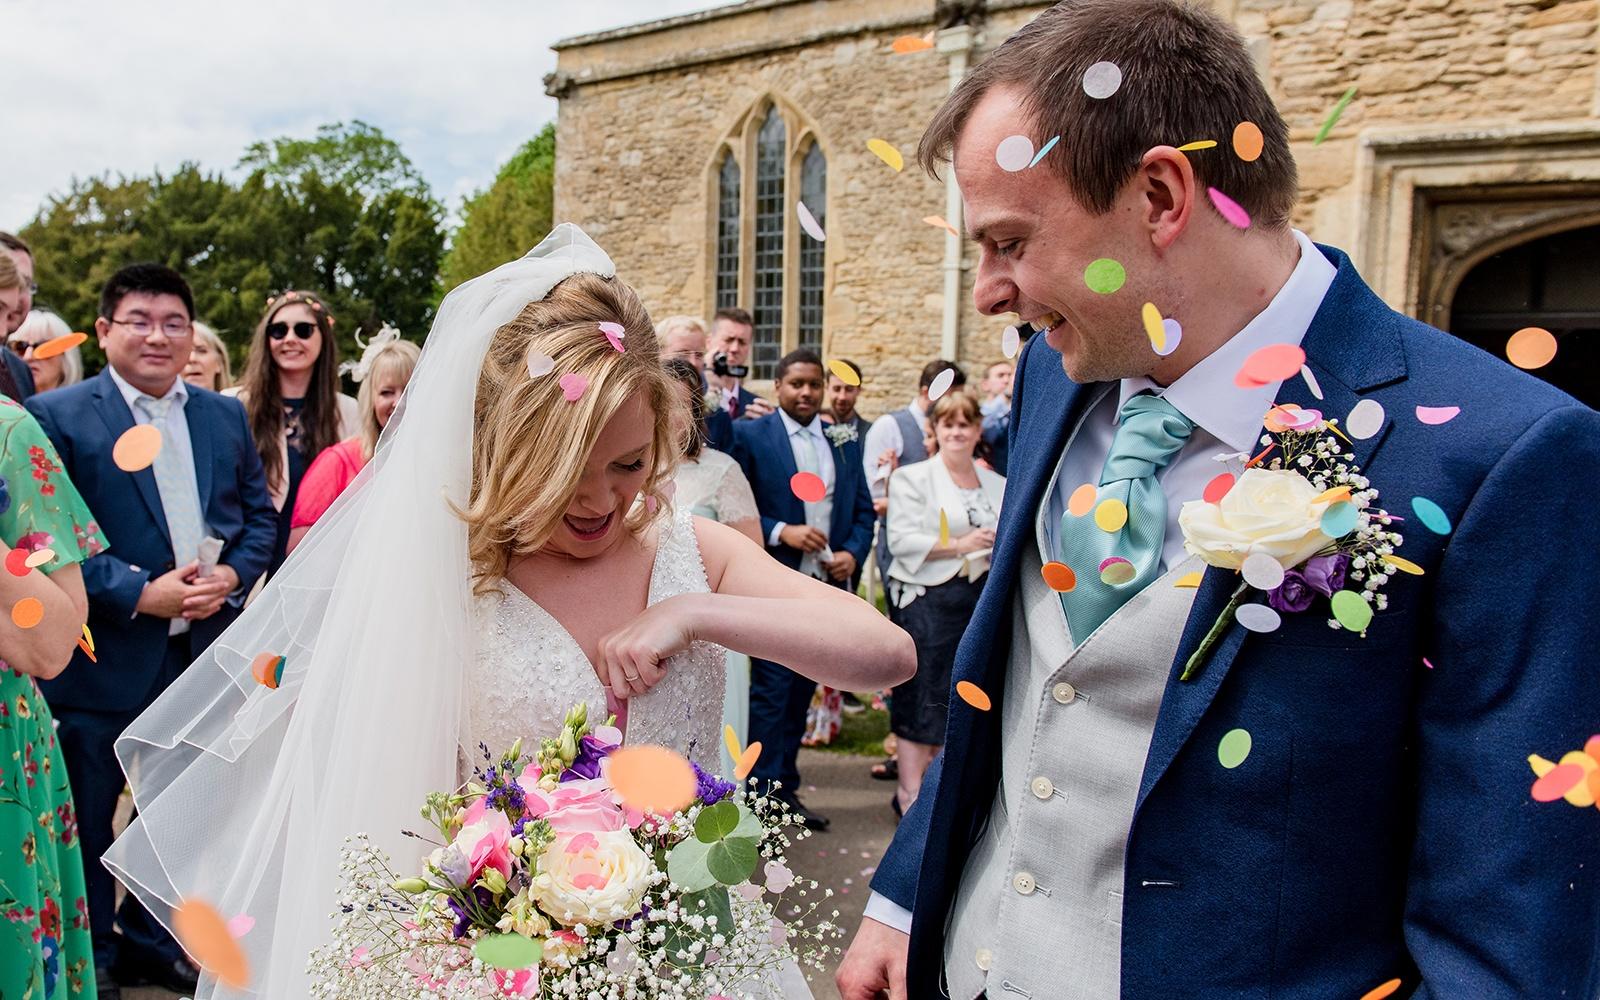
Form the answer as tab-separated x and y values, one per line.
941	383
540	365
1014	153
1258	618
808	222
1102	80
1174	331
1262	572
1365	419
1010	342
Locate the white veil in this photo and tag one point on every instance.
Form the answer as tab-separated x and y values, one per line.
245	794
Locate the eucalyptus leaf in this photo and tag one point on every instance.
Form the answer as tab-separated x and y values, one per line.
749	825
716	822
686	865
508	951
733	861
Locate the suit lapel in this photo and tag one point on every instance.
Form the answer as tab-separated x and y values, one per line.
118	419
1353	349
200	446
786	467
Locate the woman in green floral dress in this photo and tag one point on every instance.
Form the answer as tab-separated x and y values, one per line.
45	951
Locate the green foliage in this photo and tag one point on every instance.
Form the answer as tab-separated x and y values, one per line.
504	221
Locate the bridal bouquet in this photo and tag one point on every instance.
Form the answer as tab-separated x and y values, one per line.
550	883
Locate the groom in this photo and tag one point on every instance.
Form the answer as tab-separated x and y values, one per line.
1085	837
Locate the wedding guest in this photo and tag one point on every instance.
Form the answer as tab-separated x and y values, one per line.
290	389
40	327
997	413
208	367
16	380
712	485
827	538
45	946
683	337
996	388
383	372
727	365
937	574
153	604
841	398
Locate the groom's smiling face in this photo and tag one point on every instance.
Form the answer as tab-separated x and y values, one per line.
609	483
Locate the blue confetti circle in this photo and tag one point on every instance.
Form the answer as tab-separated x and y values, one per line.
1340	519
1431	515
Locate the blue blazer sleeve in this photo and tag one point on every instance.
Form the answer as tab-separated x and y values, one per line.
744	455
1504	897
251	555
896	877
108	579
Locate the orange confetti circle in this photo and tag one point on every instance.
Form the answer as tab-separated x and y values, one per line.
747	761
27	612
652	778
1082	499
1248	142
973	695
59	345
17	562
906	44
1218	488
1382	991
808	486
205	935
1272	363
267	669
1531	347
1059	577
137	448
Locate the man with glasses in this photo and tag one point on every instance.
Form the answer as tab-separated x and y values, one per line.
163	592
16	380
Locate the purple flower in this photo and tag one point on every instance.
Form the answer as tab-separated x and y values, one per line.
591	751
1293	595
709	788
484	898
1325	574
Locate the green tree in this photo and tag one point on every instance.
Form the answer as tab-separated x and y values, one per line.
506	219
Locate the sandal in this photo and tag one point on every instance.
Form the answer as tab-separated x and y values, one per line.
887	769
894	803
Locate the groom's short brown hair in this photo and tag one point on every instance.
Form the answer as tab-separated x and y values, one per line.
1186	76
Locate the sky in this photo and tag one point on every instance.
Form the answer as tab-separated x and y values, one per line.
134	86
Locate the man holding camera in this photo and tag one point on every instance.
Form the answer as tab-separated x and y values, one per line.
727	365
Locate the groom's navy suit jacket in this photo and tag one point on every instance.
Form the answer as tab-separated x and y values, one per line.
1382	824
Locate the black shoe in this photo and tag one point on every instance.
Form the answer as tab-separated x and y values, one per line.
808	819
176	975
106	984
894	803
887	769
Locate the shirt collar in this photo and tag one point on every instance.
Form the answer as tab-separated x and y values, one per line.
1206	393
179	393
791	426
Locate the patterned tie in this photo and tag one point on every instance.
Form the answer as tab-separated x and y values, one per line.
1150	434
178	498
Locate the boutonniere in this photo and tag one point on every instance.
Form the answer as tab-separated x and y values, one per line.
841	434
1303	529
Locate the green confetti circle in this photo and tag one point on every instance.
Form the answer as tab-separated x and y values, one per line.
1234	748
1104	276
1352	612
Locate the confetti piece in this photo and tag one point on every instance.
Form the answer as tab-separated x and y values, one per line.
1218	488
1010	342
1379	992
1435	415
1189	580
906	44
1257	460
1014	153
1111	515
27	612
540	365
137	448
88	637
1269	364
267	669
1541	767
1174	336
1404	565
573	386
509	952
1229	209
1365	419
941	384
1592	748
1557	782
1426	663
39	558
204	935
1104	276
1102	80
1258	618
651	778
944	528
1153	327
1579	795
746	762
1351	611
1234	748
1190	147
1116	571
1082	499
1531	347
1047	147
973	695
1431	515
887	153
1261	571
1311	381
1248	142
808	486
59	345
1059	577
17	562
87	645
1333	116
730	739
241	925
809	223
844	372
939	221
1332	496
1340	519
614	333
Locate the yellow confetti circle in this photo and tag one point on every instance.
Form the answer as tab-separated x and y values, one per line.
844	372
1111	515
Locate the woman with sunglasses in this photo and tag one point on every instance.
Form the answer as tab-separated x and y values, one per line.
43	326
290	390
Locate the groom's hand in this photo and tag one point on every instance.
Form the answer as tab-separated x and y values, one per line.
875	965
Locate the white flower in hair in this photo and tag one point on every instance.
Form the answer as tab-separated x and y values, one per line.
358	370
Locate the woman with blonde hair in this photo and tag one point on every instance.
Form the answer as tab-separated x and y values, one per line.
40	327
385	367
208	367
511	550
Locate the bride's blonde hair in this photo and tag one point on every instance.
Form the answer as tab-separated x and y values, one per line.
530	445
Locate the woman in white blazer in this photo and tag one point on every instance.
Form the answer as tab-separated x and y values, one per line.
942	514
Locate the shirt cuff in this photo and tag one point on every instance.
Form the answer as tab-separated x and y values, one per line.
889	913
772	539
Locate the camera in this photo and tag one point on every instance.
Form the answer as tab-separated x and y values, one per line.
720	366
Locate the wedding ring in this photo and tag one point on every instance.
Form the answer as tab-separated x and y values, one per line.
630	678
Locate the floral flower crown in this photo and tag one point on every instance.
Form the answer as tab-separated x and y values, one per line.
309	298
359	370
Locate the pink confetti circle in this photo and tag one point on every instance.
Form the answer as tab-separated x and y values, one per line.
1229	209
1435	415
614	333
573	386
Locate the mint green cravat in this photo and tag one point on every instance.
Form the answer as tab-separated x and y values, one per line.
1150	433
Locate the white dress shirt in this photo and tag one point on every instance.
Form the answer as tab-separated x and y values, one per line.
793	430
883	435
1227	420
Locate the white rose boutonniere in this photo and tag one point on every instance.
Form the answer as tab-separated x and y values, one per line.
1273	511
841	434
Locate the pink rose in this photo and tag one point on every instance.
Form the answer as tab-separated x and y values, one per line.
584	806
485	839
520	983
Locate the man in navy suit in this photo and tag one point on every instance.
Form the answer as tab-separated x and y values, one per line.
727	356
155	603
825	536
16	379
1380	826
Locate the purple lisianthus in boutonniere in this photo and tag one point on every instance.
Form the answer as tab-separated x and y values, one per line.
1320	575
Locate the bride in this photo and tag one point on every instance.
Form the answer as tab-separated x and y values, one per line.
511	549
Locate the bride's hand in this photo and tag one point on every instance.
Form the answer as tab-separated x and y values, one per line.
631	658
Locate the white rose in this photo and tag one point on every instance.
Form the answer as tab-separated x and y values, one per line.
1267	511
592	878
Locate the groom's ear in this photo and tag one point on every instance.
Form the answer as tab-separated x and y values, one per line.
1165	189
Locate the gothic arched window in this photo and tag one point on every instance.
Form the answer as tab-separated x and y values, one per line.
728	231
813	192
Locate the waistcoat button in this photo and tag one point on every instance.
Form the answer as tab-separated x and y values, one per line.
1043	788
1064	692
1023	883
